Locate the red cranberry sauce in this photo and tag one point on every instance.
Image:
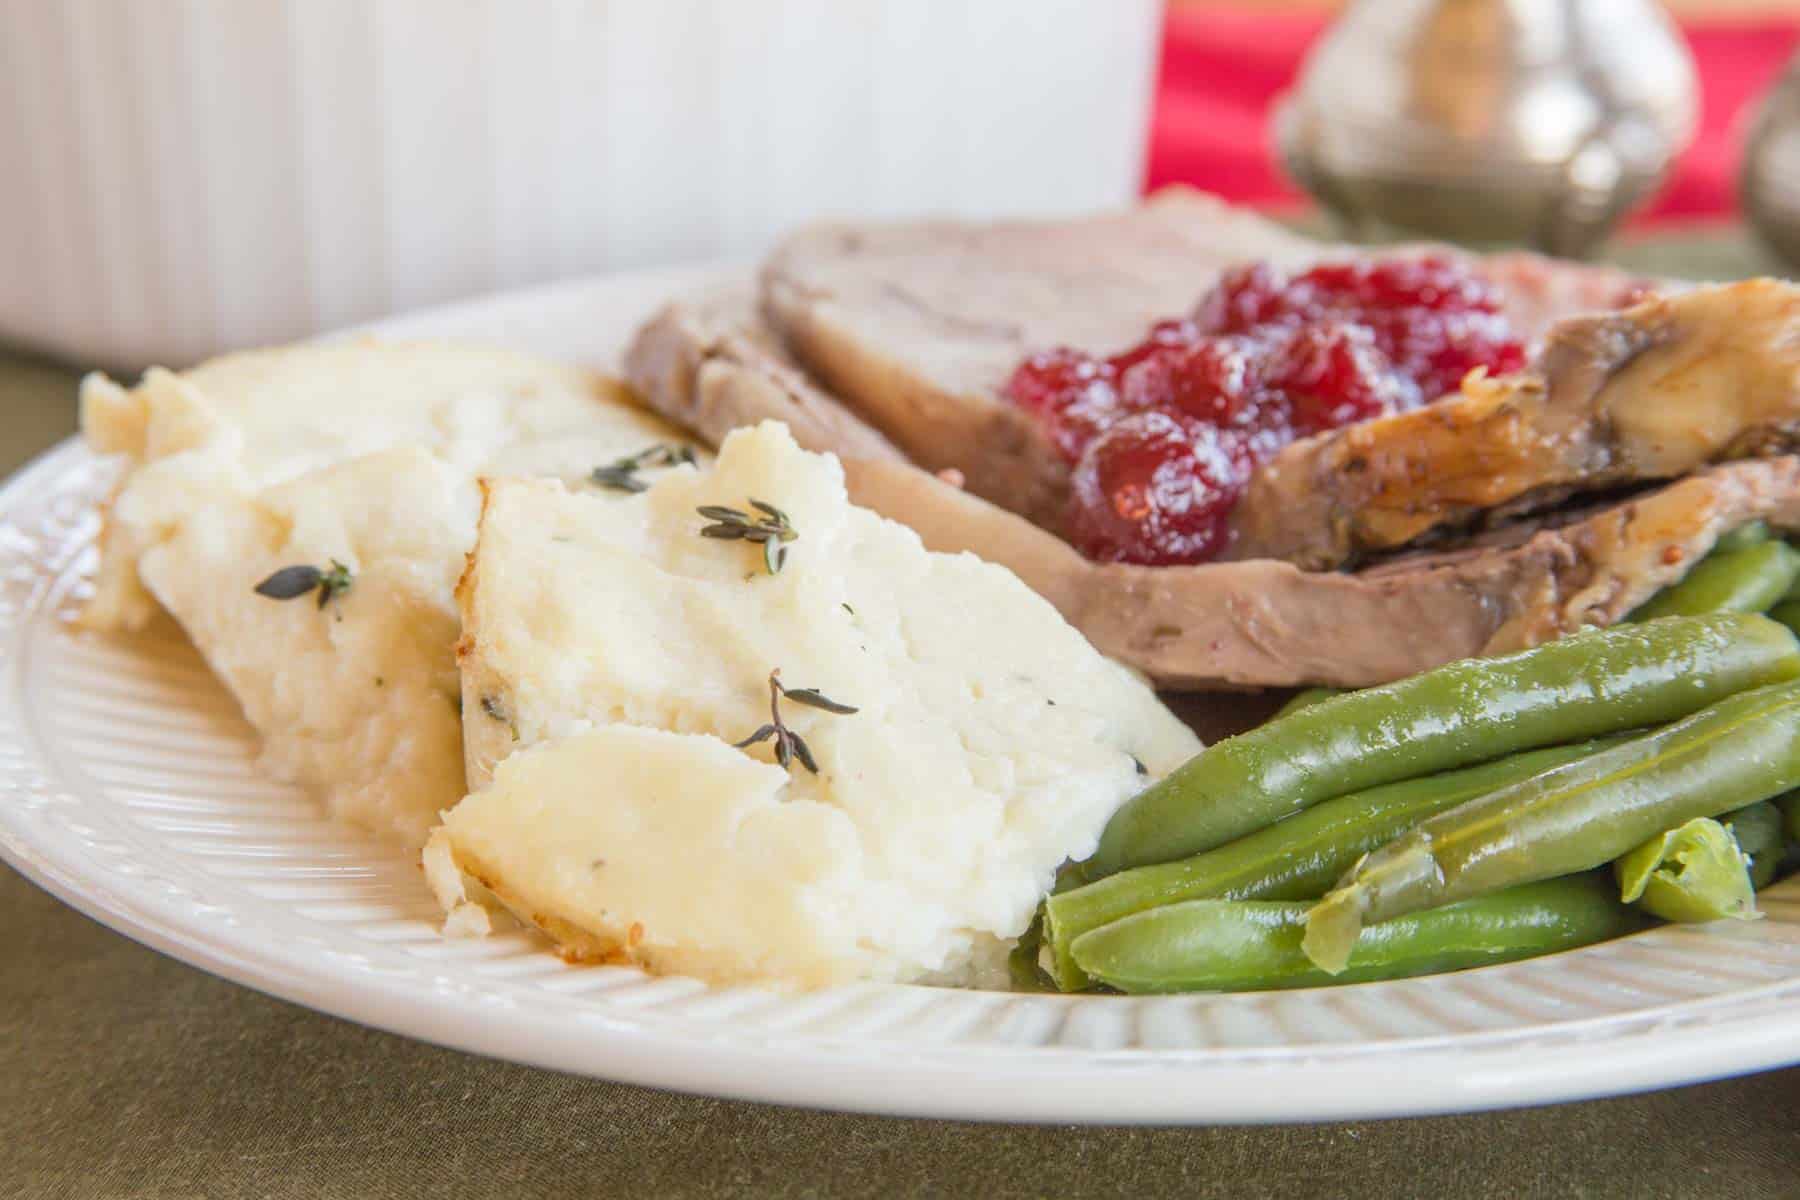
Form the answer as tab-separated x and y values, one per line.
1164	436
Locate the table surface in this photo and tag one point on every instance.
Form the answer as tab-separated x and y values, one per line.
124	1073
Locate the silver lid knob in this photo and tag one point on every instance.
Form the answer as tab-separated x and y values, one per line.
1490	121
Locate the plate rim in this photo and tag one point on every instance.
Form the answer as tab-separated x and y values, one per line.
1432	1083
1740	1031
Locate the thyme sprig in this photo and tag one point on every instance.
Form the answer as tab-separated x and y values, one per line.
290	583
772	530
788	744
621	474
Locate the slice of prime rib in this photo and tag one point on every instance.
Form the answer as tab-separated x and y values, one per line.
1265	623
710	365
918	326
1261	623
1645	393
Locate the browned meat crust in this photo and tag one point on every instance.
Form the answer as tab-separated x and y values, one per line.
904	321
1268	623
1652	392
918	326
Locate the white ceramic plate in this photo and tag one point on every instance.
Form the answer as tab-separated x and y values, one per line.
129	789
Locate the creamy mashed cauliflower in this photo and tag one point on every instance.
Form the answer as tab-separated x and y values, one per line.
362	453
611	656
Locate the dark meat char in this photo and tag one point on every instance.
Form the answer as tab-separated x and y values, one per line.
1649	393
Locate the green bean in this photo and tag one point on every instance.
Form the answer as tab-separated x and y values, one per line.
1788	613
1070	875
1694	872
1022	963
1743	537
1759	834
1571	818
1748	580
1305	699
1595	682
1790	814
1227	945
1296	859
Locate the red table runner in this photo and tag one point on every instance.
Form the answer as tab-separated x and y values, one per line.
1222	68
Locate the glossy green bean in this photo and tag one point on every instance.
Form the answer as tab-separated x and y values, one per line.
1694	872
1022	963
1572	818
1788	613
1753	533
1227	945
1305	698
1591	683
1296	859
1790	817
1748	580
1759	833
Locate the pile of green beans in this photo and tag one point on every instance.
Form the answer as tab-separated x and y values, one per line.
1296	859
1461	813
1572	818
1593	683
1219	945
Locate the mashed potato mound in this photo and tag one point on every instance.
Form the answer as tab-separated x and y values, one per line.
612	656
362	453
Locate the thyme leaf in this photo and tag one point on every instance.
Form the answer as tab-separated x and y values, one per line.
813	698
789	745
802	753
772	530
762	734
621	474
333	583
291	583
619	479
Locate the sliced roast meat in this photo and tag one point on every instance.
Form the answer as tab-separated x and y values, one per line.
1265	623
1647	393
1261	623
918	326
711	365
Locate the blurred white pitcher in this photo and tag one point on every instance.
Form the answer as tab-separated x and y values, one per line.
187	176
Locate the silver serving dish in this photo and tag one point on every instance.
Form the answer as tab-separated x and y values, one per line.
1490	121
1769	185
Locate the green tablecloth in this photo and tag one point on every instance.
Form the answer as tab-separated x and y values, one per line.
123	1073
